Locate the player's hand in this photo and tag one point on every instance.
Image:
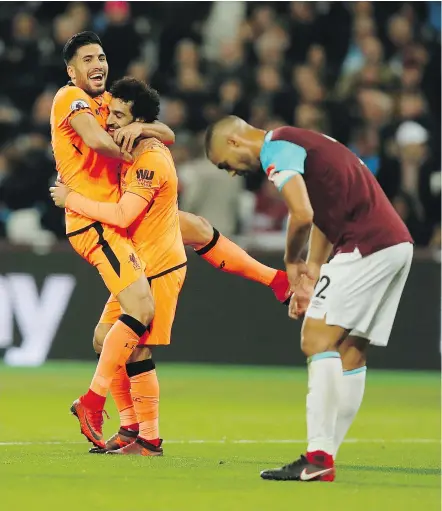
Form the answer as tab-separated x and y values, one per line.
299	304
127	157
293	308
125	137
302	281
59	194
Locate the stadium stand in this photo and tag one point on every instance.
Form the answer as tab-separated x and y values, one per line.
365	73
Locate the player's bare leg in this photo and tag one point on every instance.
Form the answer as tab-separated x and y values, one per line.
137	303
225	255
320	343
353	352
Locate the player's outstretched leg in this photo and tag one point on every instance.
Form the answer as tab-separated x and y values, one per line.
319	342
225	255
118	345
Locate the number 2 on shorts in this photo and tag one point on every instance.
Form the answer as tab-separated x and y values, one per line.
325	279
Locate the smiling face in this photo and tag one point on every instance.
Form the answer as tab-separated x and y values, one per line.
88	69
120	115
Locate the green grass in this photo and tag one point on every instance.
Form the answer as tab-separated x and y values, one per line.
398	470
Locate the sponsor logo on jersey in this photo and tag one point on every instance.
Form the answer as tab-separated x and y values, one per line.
144	177
78	104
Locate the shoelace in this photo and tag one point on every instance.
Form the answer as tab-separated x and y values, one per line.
296	463
97	418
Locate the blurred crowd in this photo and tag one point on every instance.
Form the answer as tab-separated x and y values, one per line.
365	73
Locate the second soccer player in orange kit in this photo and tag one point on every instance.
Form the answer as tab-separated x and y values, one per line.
148	207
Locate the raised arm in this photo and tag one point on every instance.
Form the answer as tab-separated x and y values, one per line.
73	107
96	138
126	137
160	131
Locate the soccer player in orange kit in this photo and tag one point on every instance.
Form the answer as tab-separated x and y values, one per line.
148	210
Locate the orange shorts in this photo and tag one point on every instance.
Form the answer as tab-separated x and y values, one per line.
165	290
111	253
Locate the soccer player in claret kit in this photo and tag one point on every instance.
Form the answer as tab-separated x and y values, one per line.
89	162
337	205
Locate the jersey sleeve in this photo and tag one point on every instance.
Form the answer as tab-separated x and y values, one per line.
123	214
71	102
281	160
148	174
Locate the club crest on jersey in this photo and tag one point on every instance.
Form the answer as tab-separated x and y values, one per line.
270	171
144	177
134	260
78	104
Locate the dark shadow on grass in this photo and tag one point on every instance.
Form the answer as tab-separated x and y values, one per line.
400	470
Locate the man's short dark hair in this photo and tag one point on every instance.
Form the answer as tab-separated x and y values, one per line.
145	99
210	132
78	41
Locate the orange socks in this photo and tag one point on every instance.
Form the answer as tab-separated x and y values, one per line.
118	345
225	255
145	392
120	391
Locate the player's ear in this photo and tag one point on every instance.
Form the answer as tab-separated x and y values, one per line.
71	72
232	141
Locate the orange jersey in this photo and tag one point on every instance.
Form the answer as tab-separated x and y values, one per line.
79	167
156	233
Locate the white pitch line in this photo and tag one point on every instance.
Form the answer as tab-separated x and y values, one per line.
258	442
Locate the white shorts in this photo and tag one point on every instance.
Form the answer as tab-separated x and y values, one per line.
362	294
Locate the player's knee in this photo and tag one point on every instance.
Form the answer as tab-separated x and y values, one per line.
353	353
137	301
139	354
100	333
313	345
97	345
147	310
353	360
197	232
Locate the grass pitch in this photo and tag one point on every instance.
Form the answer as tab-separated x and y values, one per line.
221	426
